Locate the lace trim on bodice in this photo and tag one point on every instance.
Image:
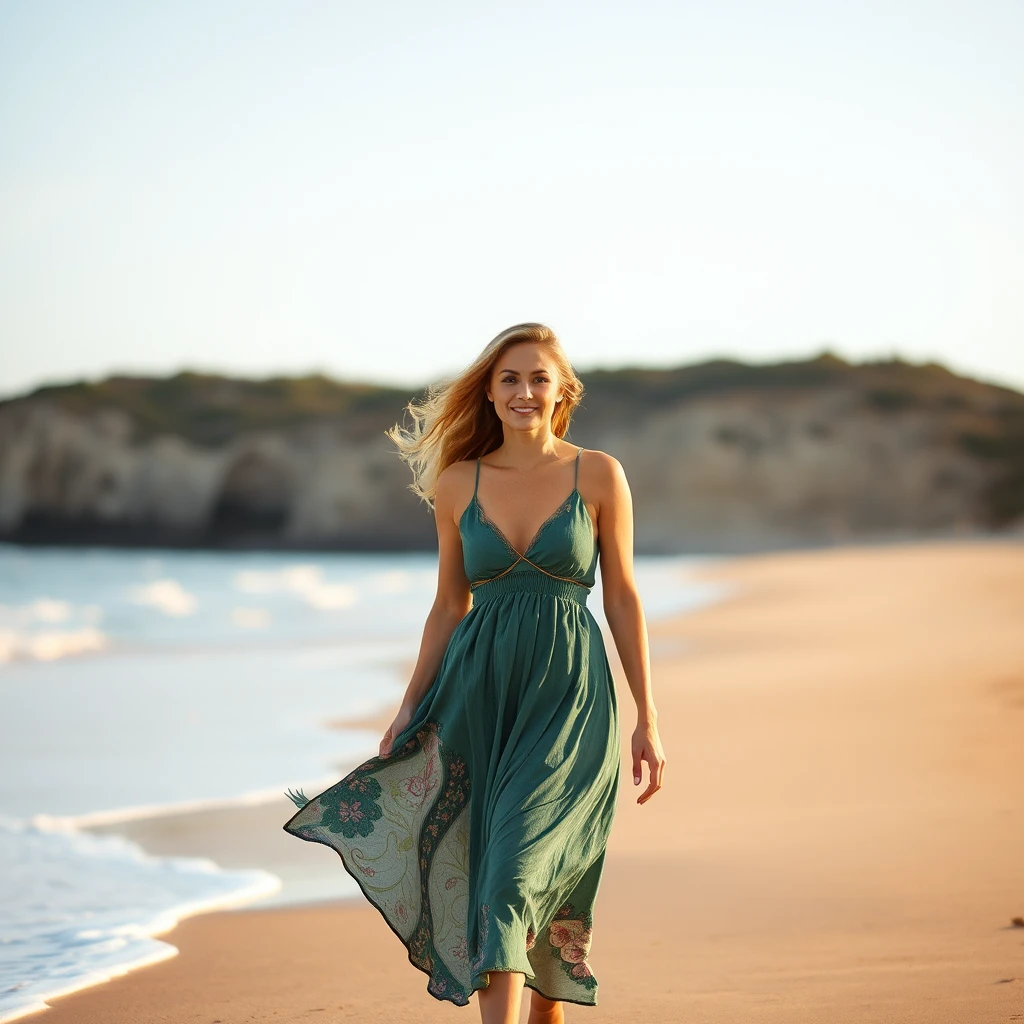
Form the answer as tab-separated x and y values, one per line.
521	556
484	518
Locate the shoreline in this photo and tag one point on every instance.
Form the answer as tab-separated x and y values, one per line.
246	834
207	833
704	660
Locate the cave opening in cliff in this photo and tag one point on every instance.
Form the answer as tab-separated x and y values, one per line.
253	505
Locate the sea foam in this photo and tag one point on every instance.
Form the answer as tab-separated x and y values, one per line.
88	908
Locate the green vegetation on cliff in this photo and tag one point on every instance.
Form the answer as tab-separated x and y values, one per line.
209	410
986	421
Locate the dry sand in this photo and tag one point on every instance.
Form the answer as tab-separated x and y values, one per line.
840	837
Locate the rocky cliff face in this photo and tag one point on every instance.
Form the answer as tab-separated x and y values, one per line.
720	458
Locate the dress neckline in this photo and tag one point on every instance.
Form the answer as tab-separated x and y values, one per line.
563	506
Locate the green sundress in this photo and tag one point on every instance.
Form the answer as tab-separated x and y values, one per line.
481	837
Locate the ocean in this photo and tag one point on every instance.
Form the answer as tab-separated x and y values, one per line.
135	684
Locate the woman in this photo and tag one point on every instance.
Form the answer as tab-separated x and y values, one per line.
479	831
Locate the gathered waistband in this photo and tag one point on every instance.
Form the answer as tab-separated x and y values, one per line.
530	583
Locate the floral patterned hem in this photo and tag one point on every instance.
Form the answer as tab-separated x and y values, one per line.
401	827
399	823
570	937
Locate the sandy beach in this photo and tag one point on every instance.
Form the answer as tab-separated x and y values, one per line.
840	836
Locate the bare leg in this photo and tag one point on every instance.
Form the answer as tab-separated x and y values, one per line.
500	1001
545	1011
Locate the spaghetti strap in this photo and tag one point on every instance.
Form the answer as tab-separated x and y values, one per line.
576	478
477	484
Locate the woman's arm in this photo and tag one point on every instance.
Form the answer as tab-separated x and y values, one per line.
625	614
451	603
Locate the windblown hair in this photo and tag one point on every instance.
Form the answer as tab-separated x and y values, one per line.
456	421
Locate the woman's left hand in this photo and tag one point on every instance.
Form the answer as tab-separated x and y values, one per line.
647	747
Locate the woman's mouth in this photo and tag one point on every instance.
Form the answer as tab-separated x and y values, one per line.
523	409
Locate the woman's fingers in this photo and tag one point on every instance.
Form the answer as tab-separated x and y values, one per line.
656	765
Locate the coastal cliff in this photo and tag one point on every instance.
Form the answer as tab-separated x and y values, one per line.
721	457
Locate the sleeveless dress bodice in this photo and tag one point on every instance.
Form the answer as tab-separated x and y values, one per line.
561	559
481	836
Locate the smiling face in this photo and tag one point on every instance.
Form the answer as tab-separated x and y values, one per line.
524	386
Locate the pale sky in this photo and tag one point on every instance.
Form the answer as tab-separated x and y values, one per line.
375	190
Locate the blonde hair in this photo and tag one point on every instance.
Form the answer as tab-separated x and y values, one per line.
455	421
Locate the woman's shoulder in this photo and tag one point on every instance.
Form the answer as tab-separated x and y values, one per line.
457	470
453	479
599	462
601	477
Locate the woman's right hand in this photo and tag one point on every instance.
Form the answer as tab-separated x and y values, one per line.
402	719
